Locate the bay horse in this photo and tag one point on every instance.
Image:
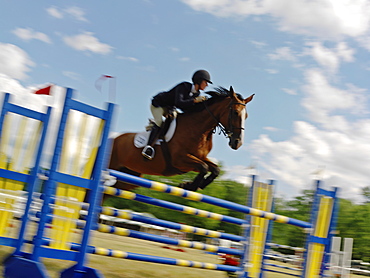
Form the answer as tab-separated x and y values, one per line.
190	144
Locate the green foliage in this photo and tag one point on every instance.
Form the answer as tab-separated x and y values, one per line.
298	208
354	222
366	193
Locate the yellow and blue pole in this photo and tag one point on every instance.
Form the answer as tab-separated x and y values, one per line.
262	199
246	231
269	228
96	193
318	240
206	199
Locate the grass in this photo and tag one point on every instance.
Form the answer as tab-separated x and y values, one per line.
117	268
121	268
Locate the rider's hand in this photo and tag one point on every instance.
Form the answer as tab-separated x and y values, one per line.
200	99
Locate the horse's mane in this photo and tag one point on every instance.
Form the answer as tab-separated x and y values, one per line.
217	95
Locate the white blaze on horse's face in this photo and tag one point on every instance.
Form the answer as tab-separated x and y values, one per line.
237	118
243	117
236	136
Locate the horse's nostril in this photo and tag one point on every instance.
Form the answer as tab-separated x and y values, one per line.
237	143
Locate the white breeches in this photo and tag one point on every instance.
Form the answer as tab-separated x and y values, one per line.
158	113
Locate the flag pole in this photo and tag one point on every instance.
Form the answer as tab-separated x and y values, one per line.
112	86
112	89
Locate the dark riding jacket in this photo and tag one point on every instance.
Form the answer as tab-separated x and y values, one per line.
181	96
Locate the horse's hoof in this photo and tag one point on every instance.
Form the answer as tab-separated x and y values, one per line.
184	185
188	186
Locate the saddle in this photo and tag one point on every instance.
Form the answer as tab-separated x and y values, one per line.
167	131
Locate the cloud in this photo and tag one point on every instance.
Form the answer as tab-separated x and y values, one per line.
330	58
290	91
132	59
270	128
294	160
75	12
238	173
184	59
322	99
87	42
327	19
336	137
55	12
28	34
365	42
9	85
72	75
258	44
14	61
272	71
283	53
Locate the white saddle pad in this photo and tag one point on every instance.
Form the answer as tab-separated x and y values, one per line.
141	138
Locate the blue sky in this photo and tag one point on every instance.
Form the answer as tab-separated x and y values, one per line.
306	61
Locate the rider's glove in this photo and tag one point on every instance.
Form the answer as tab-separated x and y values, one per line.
200	99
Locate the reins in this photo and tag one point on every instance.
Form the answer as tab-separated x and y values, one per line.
227	132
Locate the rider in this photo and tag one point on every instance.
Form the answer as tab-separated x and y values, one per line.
183	96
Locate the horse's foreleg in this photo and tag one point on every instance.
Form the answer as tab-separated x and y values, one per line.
199	166
215	171
198	181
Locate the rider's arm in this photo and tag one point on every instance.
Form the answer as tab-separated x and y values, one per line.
183	99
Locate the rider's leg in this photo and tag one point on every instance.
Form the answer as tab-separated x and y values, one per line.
158	113
148	151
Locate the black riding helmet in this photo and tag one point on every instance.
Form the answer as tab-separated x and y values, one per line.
201	75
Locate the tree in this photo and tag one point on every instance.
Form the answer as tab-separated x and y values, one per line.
298	208
366	193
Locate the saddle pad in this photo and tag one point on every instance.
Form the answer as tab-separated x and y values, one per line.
141	138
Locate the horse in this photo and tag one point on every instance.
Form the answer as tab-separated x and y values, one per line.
190	144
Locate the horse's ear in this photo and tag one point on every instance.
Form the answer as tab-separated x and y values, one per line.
248	99
231	91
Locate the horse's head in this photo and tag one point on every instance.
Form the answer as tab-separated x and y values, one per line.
234	118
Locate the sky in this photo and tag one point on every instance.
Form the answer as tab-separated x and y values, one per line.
306	61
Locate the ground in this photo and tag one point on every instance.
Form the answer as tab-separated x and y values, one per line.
120	268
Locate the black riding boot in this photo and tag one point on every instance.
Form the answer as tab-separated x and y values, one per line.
148	151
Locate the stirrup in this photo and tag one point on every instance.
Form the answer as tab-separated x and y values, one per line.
148	152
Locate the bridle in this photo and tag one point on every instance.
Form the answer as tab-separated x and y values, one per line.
229	131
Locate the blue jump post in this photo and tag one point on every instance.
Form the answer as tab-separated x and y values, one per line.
63	185
13	180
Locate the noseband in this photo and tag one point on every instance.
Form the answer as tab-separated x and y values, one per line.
229	131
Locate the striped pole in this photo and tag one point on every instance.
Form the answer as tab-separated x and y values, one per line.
185	209
204	198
